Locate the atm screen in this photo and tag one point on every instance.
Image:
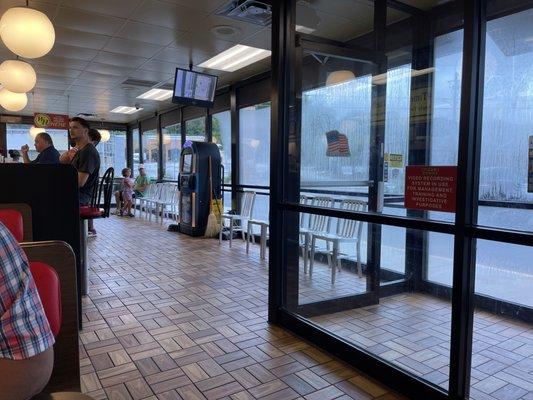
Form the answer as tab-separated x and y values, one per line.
187	163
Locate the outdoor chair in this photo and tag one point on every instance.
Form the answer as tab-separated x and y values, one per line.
237	221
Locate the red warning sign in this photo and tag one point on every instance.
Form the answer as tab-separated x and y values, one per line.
430	188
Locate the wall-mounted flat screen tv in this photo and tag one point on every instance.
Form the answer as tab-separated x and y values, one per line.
194	88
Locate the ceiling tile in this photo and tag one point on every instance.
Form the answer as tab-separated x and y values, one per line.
132	47
53	61
204	44
148	33
108	69
151	75
87	22
207	6
80	39
171	16
161	66
120	60
117	8
261	39
78	53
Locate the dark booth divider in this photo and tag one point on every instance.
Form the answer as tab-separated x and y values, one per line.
52	193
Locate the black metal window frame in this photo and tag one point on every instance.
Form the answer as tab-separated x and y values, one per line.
284	223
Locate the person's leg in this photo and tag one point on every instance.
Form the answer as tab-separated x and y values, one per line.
90	227
118	194
23	379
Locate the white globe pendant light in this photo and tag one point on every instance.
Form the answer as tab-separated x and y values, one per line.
340	76
13	101
27	32
34	131
104	133
17	76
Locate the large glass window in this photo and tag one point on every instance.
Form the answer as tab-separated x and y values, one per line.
221	128
254	145
150	148
18	135
136	150
171	151
113	152
195	129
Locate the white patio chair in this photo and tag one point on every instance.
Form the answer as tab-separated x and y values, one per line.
166	202
317	224
348	230
150	202
237	221
148	193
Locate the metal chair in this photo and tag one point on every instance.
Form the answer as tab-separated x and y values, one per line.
348	230
263	238
317	224
168	198
236	221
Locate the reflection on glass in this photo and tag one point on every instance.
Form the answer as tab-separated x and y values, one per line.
113	152
507	123
254	131
136	151
171	151
18	135
150	145
221	128
195	129
502	353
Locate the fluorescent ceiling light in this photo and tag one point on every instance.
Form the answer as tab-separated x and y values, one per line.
156	94
236	57
125	110
304	29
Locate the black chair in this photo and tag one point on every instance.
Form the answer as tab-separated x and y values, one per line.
98	208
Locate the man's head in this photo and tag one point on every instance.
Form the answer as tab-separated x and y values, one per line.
142	172
42	142
94	136
79	129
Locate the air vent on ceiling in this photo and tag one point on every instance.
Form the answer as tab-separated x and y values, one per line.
139	82
253	11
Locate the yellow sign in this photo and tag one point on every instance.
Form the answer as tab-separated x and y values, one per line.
394	160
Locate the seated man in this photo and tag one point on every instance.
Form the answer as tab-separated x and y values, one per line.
141	182
45	147
26	340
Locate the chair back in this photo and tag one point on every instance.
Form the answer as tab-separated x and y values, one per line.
49	289
320	223
102	195
247	204
149	192
304	217
349	228
14	223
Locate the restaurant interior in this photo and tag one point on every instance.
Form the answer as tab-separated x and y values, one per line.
327	200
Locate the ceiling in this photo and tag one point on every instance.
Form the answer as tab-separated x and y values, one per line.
101	43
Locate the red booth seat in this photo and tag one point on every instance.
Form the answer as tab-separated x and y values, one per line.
12	219
87	212
47	282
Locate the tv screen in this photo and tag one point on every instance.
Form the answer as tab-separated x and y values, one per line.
193	88
187	164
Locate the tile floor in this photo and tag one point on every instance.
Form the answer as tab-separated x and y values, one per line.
171	317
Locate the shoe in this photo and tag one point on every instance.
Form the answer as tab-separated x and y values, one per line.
117	212
130	215
121	214
91	233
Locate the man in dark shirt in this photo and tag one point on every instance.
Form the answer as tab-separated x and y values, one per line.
45	147
86	160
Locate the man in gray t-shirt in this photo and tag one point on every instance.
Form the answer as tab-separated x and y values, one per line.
86	160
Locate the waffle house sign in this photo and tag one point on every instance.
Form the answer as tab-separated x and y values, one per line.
55	121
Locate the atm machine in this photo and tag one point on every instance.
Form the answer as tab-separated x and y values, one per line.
193	181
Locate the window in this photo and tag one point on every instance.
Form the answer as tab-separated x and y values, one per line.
195	129
150	146
221	128
136	150
254	146
113	152
171	151
18	135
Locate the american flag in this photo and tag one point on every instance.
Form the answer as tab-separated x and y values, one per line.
337	144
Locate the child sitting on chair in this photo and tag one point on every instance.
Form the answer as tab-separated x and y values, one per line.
127	193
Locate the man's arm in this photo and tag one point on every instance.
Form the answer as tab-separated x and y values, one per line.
82	178
24	150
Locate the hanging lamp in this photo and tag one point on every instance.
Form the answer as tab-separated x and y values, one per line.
17	76
27	32
13	101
